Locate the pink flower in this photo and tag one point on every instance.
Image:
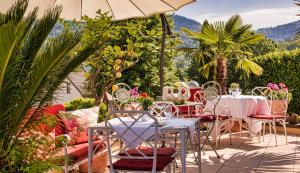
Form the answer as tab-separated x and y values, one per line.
134	92
275	87
282	85
269	85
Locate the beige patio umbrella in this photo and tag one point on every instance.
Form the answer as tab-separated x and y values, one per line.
118	9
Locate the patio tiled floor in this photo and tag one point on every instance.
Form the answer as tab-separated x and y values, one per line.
246	155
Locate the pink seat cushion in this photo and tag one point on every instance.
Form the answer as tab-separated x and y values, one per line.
267	117
142	164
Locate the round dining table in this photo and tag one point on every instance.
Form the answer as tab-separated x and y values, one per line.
241	107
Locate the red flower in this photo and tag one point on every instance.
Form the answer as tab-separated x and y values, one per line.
144	95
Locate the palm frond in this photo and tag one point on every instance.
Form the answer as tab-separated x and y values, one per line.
32	66
15	13
235	22
253	39
249	67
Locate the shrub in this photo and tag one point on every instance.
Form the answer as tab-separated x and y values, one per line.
278	67
103	112
80	103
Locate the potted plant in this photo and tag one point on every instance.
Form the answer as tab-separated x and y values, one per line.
280	97
145	100
234	89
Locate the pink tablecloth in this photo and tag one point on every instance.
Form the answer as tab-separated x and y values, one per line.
243	106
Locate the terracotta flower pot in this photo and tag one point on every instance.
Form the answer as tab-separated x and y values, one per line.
99	164
279	107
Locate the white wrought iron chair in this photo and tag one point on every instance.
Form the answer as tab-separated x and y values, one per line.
209	98
278	110
140	152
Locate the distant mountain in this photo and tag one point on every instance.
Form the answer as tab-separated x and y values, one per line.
281	32
180	21
183	22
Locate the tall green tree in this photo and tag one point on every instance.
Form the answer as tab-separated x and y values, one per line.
131	52
122	40
221	42
32	66
147	67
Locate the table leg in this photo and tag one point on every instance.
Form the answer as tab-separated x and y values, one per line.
198	147
90	150
183	150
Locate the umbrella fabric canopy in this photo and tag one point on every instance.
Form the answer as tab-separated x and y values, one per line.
118	9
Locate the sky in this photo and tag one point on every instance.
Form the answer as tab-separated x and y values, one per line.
259	13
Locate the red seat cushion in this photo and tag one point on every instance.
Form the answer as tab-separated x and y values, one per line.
80	151
164	151
267	117
142	164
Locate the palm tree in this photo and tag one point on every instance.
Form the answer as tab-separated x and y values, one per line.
220	42
32	66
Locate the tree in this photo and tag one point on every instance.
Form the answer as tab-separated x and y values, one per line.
32	66
130	52
262	47
147	67
120	51
220	42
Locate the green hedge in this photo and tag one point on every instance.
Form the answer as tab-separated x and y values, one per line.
278	67
80	103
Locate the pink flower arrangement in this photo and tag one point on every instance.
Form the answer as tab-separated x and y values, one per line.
279	91
280	86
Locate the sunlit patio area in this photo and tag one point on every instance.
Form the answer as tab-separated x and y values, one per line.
157	86
246	155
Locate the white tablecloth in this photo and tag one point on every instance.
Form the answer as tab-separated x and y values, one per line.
130	137
242	107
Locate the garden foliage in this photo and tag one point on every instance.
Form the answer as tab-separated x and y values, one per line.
130	52
80	103
280	67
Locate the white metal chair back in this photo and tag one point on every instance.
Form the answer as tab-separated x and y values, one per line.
121	96
165	109
210	95
277	99
134	134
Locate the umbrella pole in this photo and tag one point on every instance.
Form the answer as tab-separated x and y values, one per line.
162	52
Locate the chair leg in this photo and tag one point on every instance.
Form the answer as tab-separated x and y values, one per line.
169	168
259	137
213	147
264	131
250	128
217	134
230	136
241	123
207	140
285	132
274	128
270	129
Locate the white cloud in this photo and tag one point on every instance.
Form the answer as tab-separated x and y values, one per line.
258	18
